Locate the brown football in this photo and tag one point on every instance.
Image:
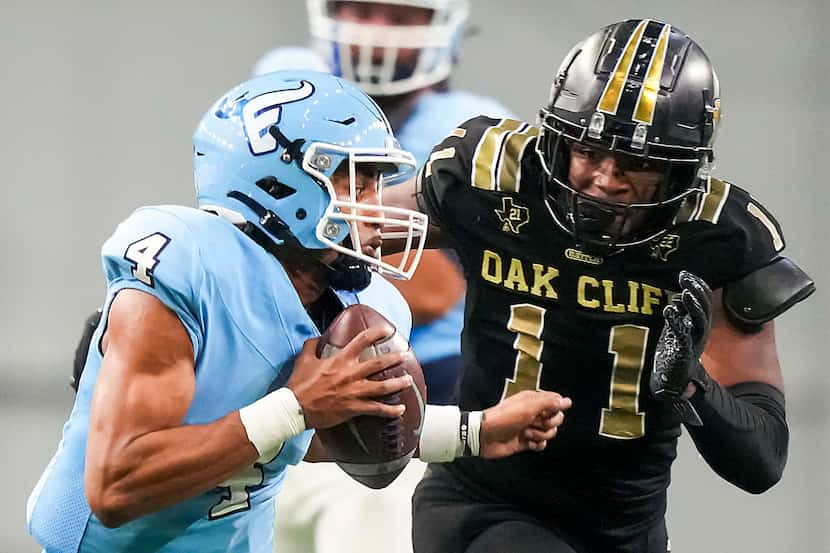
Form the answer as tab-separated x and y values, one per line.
374	450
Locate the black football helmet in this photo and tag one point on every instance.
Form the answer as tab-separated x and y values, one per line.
647	93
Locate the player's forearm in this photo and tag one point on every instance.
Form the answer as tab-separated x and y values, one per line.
158	469
404	195
434	289
744	434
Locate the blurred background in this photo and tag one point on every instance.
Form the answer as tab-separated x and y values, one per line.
101	98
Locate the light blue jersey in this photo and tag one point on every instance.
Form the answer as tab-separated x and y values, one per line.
247	324
435	116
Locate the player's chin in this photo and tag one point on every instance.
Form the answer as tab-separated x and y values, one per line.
370	251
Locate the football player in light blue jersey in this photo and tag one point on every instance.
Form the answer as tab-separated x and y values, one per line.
202	383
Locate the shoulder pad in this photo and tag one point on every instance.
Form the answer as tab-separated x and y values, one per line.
482	154
729	205
739	233
765	293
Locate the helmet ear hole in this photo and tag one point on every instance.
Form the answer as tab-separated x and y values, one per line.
275	188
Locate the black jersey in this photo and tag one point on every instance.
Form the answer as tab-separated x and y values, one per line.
542	313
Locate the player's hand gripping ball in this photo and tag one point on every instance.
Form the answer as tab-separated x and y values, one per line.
375	450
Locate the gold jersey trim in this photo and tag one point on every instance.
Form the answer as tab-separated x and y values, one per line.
777	240
510	172
497	158
707	206
446	153
712	202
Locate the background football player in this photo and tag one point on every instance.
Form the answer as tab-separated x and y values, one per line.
592	246
201	382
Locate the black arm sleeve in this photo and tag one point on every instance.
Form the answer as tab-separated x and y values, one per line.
744	435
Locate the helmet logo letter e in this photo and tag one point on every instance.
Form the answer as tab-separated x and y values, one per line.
260	113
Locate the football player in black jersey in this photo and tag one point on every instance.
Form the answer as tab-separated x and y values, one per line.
605	262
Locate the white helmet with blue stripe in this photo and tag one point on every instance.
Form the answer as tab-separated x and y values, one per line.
266	151
349	47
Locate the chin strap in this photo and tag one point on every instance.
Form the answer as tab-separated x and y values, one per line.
349	274
268	219
293	148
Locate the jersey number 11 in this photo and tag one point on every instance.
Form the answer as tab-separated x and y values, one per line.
627	343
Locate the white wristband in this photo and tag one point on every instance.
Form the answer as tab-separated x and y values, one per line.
441	435
473	438
272	420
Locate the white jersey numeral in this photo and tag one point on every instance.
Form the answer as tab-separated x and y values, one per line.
237	488
236	496
144	253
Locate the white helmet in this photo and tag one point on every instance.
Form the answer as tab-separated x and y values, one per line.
437	42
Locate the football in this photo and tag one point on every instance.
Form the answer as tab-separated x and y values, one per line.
374	450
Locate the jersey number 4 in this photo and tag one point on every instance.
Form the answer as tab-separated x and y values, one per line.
627	343
144	255
236	491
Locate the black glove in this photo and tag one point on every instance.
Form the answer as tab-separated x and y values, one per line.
677	358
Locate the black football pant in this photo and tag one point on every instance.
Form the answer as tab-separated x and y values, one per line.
449	517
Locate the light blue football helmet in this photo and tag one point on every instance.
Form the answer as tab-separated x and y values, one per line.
266	151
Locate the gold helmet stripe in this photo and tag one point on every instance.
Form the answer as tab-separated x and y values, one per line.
644	112
610	99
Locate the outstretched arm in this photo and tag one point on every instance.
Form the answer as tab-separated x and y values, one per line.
434	289
405	195
521	422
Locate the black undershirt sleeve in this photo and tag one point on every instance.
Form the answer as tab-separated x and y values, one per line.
744	435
